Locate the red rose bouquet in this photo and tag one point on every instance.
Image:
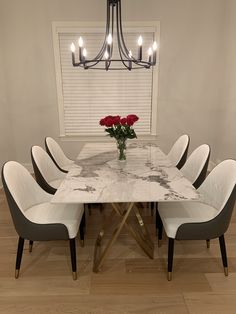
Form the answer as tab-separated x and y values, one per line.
121	129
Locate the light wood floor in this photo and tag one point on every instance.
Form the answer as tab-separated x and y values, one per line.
129	282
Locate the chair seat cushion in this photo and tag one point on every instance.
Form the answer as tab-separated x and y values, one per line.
67	214
174	214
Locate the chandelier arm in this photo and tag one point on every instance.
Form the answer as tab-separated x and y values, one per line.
120	48
139	63
104	45
121	30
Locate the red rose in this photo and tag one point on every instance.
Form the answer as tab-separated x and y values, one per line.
116	120
102	121
123	121
108	121
131	119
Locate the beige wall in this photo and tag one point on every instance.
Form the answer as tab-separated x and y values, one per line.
6	144
226	131
192	91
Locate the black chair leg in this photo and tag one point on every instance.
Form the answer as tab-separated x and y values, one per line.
19	256
152	208
89	209
31	246
159	227
81	229
223	254
73	258
170	258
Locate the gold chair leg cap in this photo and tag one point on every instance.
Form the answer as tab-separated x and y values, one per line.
17	272
169	276
74	275
226	271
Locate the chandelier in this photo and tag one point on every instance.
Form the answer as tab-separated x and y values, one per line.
104	59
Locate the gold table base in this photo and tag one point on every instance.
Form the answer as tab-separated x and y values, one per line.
138	231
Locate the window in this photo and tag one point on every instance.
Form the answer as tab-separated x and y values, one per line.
85	96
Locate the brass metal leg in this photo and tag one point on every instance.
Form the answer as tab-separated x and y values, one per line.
139	232
100	256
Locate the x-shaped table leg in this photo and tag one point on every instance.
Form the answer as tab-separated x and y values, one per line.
140	234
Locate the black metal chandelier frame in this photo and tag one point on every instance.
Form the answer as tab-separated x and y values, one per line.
114	22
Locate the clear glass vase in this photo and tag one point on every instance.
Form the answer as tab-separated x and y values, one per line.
121	149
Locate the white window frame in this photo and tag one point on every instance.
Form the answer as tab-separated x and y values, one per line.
75	27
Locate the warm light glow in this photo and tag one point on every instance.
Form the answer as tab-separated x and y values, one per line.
80	42
106	55
130	54
154	46
109	39
150	51
84	53
72	47
140	41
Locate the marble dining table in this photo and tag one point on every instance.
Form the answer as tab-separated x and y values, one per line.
147	175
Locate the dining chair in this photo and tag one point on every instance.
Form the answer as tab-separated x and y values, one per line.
47	174
195	170
34	217
179	151
206	219
54	150
49	177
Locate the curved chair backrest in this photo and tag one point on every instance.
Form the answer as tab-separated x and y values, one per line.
44	169
218	190
57	154
195	168
179	151
22	192
219	184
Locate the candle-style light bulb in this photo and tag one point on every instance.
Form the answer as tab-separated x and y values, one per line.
80	42
84	53
140	40
106	55
72	47
140	48
109	39
130	62
154	47
150	51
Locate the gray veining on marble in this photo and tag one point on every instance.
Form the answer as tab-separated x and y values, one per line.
147	175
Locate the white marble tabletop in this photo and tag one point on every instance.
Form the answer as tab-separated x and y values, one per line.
147	175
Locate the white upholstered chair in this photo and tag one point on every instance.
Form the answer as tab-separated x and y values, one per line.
195	168
179	151
56	153
206	219
34	217
47	174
